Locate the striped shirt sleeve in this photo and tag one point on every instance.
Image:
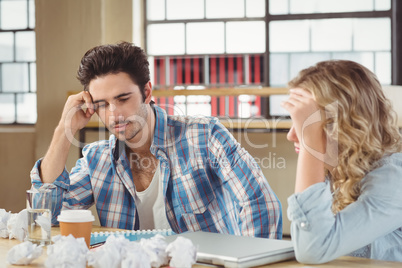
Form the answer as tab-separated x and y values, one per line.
69	191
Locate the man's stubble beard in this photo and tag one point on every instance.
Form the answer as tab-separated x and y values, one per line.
135	126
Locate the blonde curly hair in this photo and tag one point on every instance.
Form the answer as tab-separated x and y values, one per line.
363	123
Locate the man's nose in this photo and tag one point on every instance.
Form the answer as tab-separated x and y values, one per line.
114	113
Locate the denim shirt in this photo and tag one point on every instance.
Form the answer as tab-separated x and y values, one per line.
371	227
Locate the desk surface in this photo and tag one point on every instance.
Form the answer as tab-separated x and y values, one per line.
6	245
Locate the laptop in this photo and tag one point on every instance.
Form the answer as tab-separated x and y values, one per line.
237	251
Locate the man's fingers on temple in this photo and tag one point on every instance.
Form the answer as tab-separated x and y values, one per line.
86	97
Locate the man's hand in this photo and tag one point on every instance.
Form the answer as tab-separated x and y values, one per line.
73	119
74	116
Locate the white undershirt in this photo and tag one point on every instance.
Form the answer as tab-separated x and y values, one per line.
151	205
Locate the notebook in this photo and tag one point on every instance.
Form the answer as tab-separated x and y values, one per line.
100	238
237	251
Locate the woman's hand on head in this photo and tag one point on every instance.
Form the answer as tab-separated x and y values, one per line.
306	117
307	123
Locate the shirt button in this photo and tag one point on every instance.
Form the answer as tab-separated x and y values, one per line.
303	224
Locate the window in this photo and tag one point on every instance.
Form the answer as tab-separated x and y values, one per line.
17	62
304	33
230	43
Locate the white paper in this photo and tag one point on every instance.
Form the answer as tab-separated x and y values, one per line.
17	225
155	247
182	252
119	252
67	252
109	256
24	253
135	256
4	216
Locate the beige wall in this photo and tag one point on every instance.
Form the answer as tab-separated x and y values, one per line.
16	160
65	30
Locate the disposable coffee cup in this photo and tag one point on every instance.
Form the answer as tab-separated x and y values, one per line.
78	223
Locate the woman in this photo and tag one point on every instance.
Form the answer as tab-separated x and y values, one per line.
348	198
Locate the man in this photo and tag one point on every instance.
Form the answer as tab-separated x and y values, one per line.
155	171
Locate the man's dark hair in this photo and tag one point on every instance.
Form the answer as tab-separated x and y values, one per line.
112	59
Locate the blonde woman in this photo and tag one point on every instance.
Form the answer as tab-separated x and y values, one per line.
347	197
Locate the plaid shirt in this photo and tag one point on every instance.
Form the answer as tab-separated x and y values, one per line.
209	182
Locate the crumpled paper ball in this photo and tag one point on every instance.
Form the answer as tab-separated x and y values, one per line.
155	247
24	253
119	252
17	225
4	216
153	252
66	252
135	256
183	253
110	254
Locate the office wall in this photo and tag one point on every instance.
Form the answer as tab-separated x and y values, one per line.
65	30
16	160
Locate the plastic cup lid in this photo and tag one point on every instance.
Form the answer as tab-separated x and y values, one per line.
78	215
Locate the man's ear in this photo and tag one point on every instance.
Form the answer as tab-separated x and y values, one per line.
148	92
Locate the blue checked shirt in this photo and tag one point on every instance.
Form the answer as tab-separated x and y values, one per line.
209	182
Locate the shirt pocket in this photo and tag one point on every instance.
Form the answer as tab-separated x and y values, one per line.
210	220
195	191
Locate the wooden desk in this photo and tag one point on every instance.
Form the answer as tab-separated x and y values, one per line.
6	245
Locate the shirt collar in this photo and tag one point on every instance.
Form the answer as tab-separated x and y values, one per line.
118	147
160	129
